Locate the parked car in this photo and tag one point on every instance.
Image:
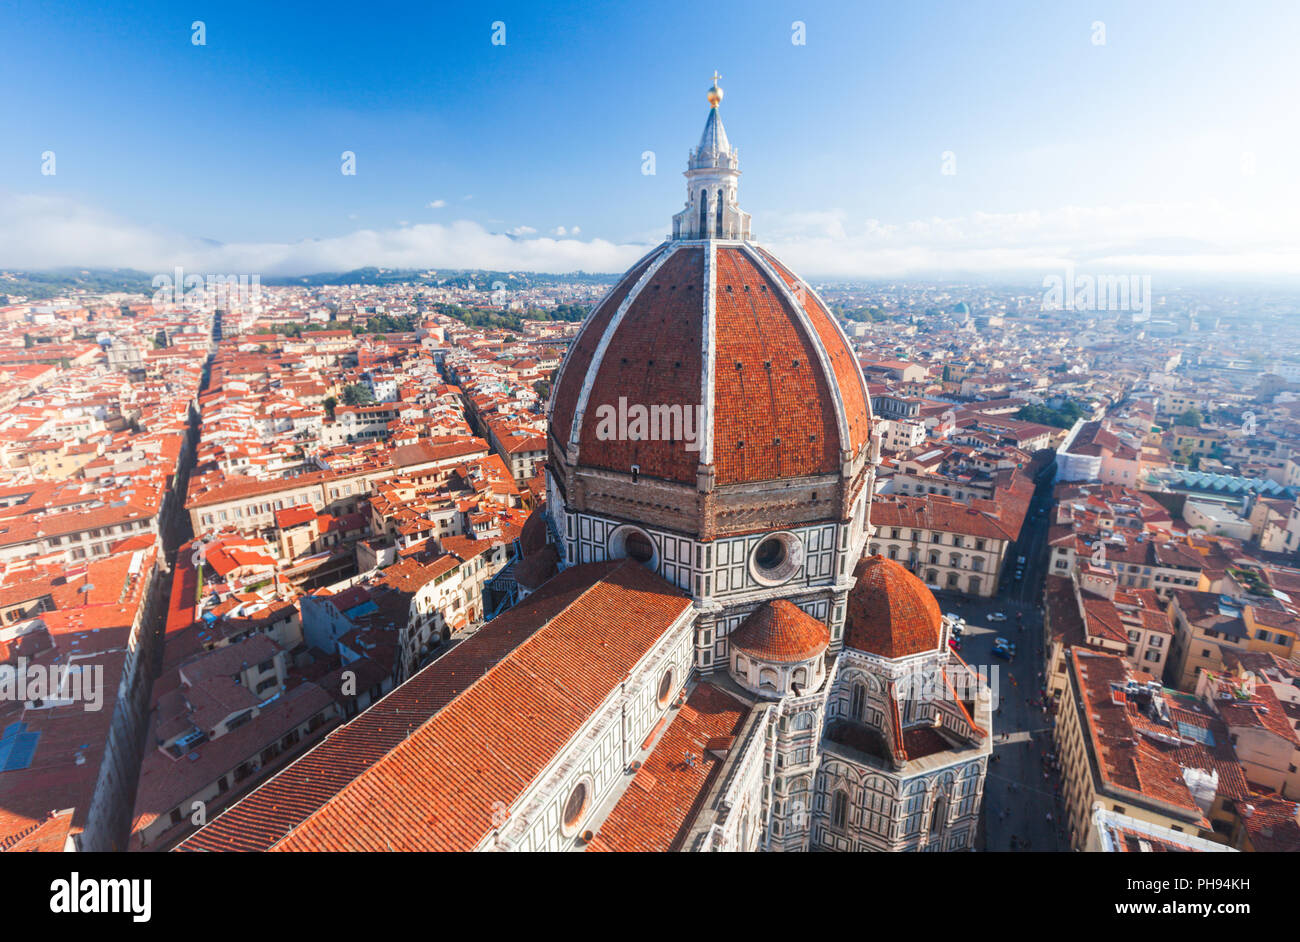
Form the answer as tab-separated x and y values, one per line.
998	616
954	643
1004	653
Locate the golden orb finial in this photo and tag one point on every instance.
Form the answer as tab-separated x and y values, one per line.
715	93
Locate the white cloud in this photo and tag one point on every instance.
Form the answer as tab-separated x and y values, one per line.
436	204
1139	238
38	231
48	232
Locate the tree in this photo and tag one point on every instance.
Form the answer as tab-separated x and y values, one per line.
357	394
1191	418
1064	417
330	403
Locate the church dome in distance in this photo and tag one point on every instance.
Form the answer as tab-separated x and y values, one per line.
782	632
891	613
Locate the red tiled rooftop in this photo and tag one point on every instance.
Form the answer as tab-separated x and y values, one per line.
658	807
425	767
775	373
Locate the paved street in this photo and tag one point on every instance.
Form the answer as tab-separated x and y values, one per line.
1021	788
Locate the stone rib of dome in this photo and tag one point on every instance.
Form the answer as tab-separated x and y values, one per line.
564	400
890	612
652	357
848	375
781	631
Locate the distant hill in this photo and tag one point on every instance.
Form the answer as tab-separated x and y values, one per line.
39	285
461	278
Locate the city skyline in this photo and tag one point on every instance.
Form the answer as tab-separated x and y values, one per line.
529	154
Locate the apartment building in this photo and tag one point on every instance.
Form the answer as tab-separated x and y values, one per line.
1142	751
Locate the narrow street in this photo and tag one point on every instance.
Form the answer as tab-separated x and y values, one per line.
1020	794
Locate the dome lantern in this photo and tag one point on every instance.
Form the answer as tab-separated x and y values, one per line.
712	179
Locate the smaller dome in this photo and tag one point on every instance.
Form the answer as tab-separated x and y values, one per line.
783	632
891	613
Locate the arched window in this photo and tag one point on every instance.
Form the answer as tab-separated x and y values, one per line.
954	560
932	576
800	677
767	679
938	813
704	214
718	233
974	585
893	552
934	558
857	701
839	809
953	579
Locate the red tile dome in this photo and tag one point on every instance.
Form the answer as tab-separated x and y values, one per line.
724	328
891	613
781	631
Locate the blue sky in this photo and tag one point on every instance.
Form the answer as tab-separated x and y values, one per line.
1173	145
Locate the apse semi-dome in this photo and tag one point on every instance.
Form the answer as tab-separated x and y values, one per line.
710	364
891	613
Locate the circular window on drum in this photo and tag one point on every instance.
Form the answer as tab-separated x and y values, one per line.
576	805
628	542
776	558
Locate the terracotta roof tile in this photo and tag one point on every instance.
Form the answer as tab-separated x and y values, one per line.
781	631
890	612
657	814
428	766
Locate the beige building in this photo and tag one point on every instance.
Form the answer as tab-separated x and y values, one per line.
947	544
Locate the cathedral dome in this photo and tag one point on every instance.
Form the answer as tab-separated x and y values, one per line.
891	613
710	393
711	355
782	632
